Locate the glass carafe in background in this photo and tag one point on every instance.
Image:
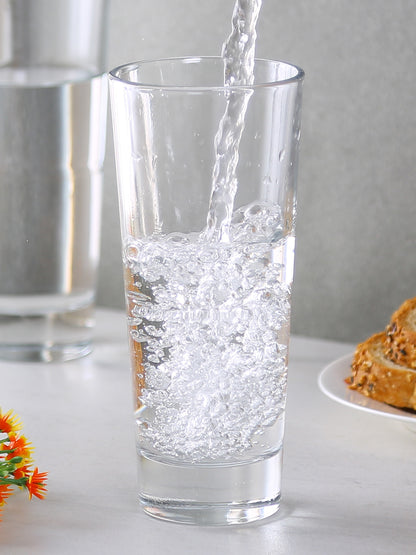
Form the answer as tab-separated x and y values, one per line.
53	103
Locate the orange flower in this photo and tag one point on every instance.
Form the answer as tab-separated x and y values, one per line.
20	447
9	422
22	472
36	484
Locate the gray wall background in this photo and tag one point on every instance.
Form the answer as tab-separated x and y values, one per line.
356	233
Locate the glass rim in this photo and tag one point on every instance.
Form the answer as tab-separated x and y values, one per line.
114	75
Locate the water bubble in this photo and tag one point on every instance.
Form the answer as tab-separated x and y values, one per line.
177	238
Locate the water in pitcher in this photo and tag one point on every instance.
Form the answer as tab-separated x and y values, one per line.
51	140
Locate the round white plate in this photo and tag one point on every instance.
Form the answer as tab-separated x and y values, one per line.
331	382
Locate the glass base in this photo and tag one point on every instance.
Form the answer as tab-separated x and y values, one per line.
209	515
54	337
44	353
211	495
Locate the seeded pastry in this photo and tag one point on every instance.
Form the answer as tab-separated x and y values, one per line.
400	339
375	375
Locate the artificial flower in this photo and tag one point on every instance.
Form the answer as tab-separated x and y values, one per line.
9	422
17	446
16	461
36	484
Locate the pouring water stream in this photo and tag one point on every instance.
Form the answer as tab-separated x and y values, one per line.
238	54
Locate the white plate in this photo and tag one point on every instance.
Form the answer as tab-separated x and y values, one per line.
331	382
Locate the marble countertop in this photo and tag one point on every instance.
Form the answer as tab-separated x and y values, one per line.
349	481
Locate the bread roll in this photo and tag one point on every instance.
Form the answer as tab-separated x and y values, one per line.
400	339
375	375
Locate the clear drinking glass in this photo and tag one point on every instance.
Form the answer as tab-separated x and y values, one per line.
208	314
53	106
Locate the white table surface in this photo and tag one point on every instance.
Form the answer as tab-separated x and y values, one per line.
349	480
